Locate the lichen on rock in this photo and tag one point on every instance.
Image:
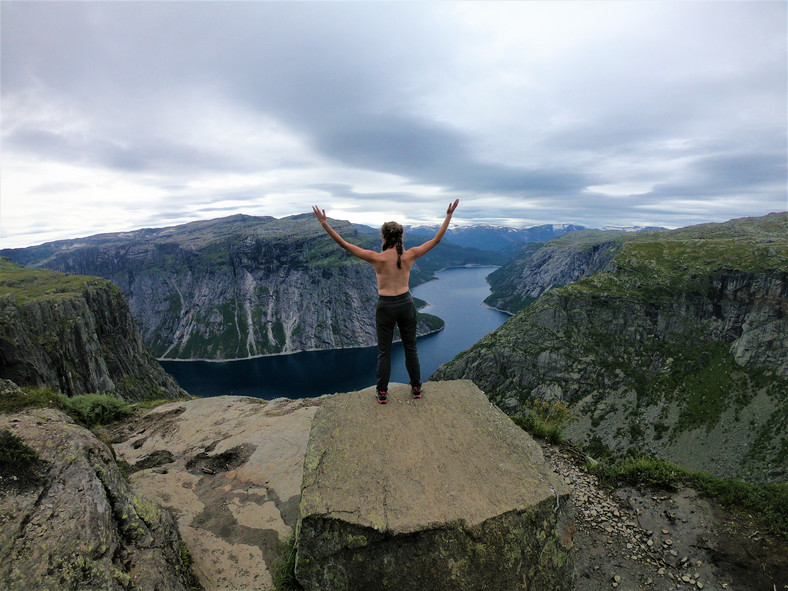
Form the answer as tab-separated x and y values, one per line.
74	523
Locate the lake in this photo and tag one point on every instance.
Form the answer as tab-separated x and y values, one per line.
456	296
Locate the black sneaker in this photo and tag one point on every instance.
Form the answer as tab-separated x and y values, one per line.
382	398
416	391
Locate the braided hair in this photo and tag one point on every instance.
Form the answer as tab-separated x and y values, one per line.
392	236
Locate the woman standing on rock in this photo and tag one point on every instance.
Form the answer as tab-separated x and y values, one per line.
395	304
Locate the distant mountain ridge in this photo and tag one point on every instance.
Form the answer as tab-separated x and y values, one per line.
242	286
498	238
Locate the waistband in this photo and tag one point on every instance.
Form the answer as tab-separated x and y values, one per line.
397	298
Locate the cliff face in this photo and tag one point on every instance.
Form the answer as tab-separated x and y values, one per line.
235	287
538	267
74	334
679	349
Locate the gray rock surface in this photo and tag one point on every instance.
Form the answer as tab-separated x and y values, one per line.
229	468
73	522
439	493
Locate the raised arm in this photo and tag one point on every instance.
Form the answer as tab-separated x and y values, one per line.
418	251
357	251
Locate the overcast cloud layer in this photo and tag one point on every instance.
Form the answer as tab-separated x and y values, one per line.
140	114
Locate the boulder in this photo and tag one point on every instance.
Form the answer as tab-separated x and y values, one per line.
444	492
71	521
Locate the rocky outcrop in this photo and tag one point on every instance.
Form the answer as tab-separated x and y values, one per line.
229	469
242	286
439	493
74	334
72	521
538	267
680	349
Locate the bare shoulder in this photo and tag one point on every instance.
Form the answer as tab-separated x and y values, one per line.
418	251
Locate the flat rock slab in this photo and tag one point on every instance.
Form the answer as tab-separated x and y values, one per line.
229	468
444	492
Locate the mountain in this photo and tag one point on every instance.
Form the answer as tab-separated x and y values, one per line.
678	348
632	228
538	266
74	334
497	238
242	286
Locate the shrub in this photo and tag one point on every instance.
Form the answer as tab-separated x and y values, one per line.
545	420
284	567
95	409
16	400
15	454
597	449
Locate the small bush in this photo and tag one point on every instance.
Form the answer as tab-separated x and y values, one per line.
95	409
15	454
597	449
14	401
284	567
545	420
640	470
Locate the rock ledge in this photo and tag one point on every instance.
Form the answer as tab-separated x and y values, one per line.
439	493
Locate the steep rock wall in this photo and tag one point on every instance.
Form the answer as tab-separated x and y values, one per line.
538	267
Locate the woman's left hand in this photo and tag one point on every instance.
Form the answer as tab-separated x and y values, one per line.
320	215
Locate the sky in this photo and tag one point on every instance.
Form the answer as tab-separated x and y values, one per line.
124	115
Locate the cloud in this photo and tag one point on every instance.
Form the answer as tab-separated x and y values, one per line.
520	109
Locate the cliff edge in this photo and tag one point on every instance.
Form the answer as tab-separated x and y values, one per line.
439	493
74	334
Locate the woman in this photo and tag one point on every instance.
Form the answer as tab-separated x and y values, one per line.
395	304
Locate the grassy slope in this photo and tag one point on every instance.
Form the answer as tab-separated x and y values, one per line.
25	285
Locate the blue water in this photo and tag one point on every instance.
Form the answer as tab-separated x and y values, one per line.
456	296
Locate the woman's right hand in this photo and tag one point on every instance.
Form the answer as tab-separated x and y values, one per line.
452	207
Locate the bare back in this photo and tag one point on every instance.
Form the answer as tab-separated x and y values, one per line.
392	280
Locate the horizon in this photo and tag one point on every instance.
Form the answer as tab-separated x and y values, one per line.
124	115
609	227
